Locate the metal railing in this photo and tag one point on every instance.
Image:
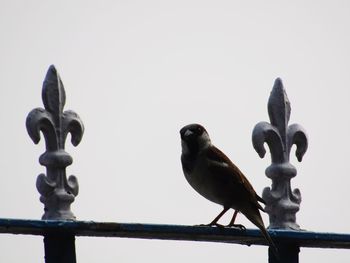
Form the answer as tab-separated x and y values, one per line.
59	226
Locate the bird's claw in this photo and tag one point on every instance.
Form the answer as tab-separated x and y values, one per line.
212	224
239	226
217	225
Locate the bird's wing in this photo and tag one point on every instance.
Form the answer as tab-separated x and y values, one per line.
220	164
218	158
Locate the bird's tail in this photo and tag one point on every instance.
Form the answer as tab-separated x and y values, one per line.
255	218
269	240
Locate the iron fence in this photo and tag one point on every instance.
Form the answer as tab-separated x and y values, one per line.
59	226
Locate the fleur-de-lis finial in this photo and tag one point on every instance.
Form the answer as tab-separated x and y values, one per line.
282	203
57	192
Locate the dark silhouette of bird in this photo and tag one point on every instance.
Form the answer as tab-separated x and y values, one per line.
212	174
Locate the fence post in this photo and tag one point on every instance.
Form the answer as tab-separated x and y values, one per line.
57	192
282	203
59	248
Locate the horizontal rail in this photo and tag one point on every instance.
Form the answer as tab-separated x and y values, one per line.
173	232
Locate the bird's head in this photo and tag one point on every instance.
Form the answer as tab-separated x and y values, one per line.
194	138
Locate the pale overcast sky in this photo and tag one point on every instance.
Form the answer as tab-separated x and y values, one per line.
136	72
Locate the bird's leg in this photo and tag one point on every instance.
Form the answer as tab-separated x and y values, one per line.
216	219
232	222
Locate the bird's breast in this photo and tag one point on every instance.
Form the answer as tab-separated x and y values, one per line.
203	181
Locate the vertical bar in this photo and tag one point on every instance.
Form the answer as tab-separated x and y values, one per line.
59	248
288	253
282	202
57	190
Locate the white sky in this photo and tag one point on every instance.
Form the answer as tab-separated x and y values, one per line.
136	72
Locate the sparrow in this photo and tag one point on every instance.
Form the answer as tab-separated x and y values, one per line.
212	174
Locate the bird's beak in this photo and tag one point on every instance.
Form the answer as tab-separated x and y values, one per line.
185	133
188	133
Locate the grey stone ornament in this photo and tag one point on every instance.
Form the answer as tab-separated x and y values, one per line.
57	192
282	203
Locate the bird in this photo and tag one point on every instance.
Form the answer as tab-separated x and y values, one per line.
214	176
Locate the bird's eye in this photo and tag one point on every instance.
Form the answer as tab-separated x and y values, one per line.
199	130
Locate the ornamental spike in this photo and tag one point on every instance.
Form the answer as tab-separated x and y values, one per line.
57	192
282	203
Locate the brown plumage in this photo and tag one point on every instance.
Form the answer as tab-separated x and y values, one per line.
212	174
